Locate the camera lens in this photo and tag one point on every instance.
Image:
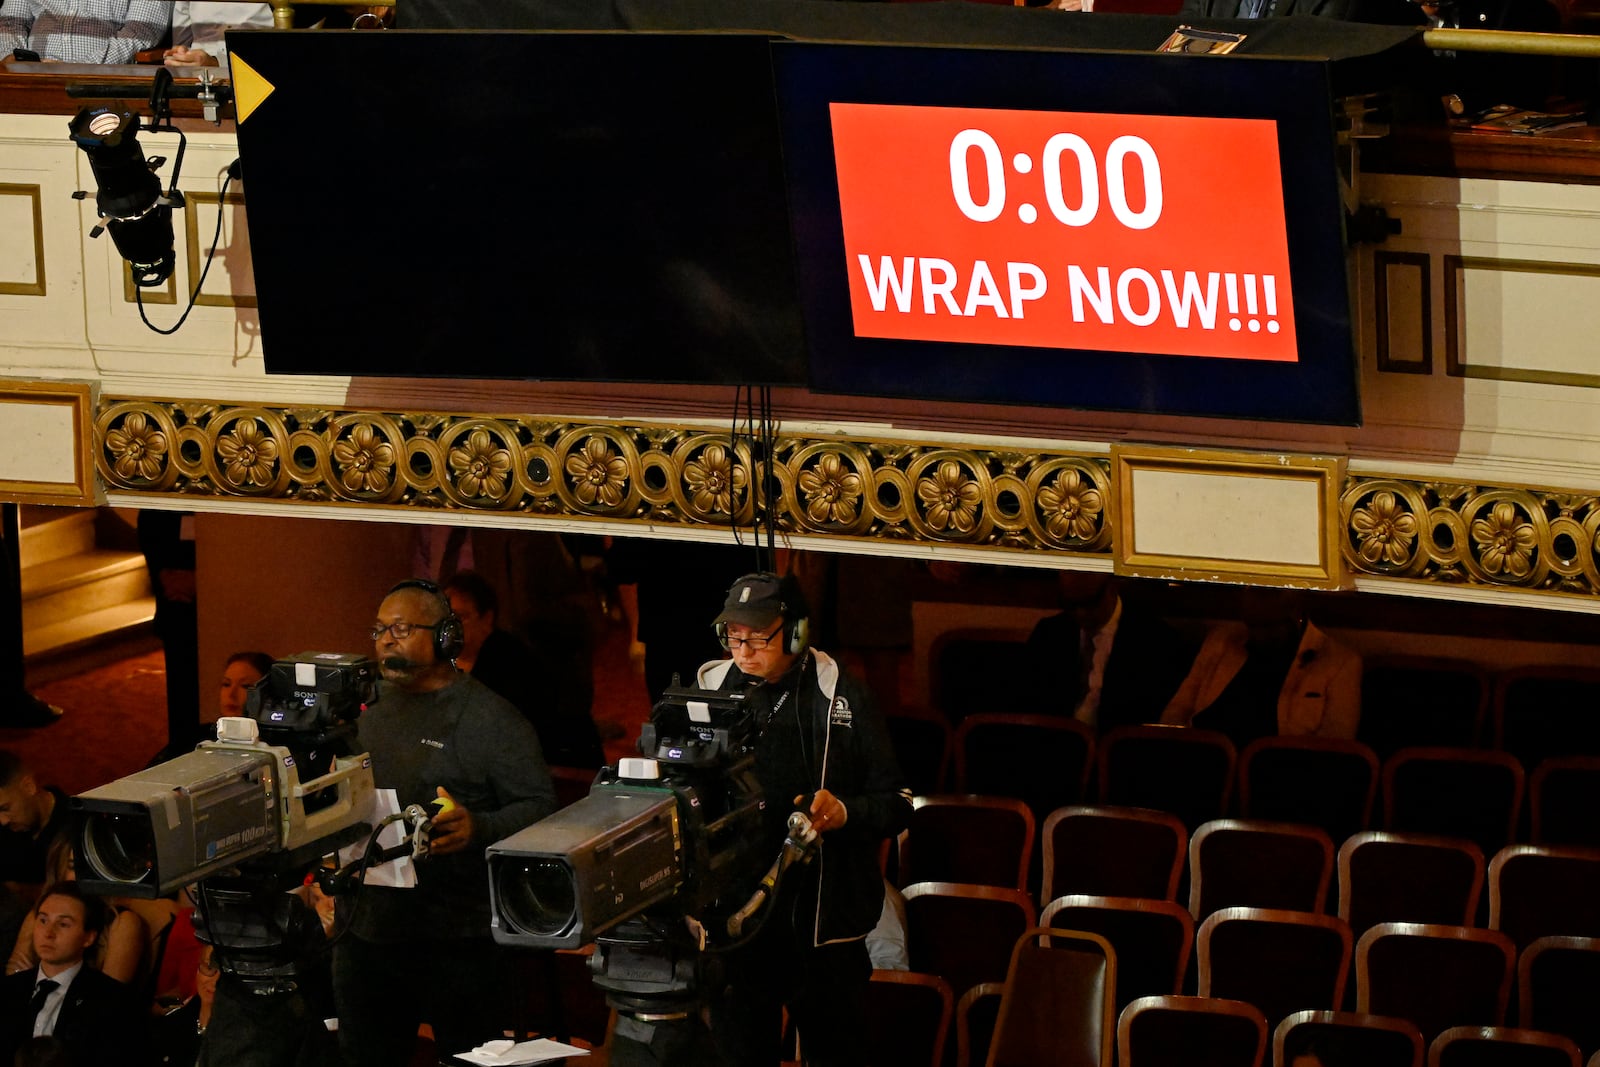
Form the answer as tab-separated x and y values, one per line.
537	896
118	848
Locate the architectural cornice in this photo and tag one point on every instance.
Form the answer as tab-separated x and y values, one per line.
1036	505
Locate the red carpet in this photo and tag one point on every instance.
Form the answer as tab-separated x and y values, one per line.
115	721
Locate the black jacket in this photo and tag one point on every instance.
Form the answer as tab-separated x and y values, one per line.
99	1024
529	678
1149	660
827	734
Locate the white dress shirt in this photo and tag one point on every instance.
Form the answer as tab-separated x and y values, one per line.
45	1022
201	24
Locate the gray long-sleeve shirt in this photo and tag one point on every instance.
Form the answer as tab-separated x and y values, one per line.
486	755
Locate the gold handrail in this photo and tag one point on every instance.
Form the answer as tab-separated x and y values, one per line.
1513	41
283	10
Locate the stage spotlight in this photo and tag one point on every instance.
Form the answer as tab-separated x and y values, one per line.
130	201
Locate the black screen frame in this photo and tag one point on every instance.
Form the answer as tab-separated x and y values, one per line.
1322	387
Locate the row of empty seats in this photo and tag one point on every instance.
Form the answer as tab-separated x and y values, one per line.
1406	701
1053	992
1375	876
1051	761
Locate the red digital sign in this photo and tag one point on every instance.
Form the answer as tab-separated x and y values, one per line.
1123	233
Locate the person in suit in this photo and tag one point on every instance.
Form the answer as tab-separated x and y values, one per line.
1119	664
1473	81
167	539
93	1017
1273	673
1382	12
521	673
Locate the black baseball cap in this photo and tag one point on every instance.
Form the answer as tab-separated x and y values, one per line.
757	600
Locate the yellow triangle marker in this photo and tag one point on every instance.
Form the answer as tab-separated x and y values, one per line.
249	88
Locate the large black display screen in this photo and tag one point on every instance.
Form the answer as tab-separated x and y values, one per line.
1146	233
1122	231
520	205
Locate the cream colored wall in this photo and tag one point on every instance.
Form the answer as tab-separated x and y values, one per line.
1542	432
1527	316
285	586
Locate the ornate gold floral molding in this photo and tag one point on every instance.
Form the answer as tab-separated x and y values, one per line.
833	486
1032	501
1463	534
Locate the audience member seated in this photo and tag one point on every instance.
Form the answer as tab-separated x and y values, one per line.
1386	12
95	1019
1273	673
198	27
240	671
517	671
667	590
175	977
83	31
179	1032
1108	662
119	951
542	596
1480	80
31	818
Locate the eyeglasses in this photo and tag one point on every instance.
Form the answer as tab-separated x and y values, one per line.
400	630
208	969
754	644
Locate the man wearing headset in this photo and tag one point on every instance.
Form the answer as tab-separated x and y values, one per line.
443	740
823	749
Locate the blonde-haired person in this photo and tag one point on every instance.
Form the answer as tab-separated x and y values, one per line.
119	952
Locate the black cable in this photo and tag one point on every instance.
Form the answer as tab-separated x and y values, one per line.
752	434
760	432
354	886
216	239
733	454
771	428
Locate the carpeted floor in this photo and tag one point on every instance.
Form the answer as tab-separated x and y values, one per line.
115	720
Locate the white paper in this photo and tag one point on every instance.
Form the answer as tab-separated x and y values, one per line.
507	1054
398	874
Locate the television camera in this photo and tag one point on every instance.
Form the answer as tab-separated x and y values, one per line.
660	865
241	796
237	817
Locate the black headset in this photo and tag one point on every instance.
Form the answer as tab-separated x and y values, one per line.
448	637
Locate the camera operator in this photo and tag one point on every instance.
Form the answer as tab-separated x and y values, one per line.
436	736
823	745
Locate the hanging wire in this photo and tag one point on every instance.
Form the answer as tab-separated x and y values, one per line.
216	239
759	431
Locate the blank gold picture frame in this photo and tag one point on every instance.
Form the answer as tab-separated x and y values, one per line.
1264	517
47	452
